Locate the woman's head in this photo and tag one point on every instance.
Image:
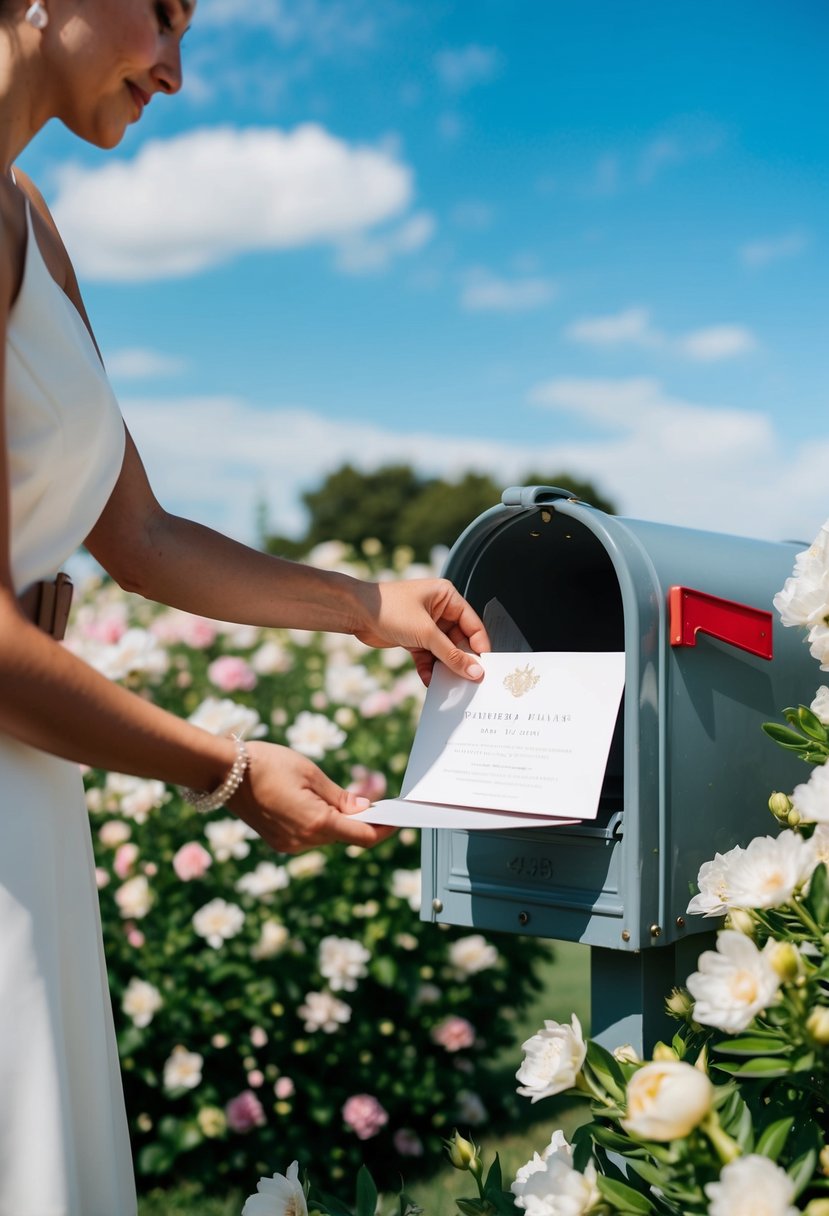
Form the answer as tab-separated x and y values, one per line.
103	61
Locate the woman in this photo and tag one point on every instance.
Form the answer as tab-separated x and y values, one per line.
70	473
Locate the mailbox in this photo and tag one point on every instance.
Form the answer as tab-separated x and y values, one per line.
689	771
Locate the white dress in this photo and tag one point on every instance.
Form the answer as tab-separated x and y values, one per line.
64	1144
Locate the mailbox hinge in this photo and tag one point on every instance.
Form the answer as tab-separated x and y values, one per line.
693	612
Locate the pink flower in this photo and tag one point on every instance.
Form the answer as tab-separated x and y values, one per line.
364	1115
194	631
231	674
191	861
125	858
366	783
244	1112
258	1036
454	1033
135	937
376	703
407	1142
256	1078
284	1088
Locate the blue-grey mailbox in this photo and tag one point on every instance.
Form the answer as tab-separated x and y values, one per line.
689	772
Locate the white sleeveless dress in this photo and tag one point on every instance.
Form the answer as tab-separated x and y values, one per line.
64	1144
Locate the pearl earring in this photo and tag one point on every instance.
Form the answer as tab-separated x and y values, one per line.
37	16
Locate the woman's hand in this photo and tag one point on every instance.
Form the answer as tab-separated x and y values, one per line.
293	806
430	619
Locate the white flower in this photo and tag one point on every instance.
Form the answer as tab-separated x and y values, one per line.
264	880
229	838
820	705
811	799
347	683
182	1069
820	844
136	795
471	954
323	1011
752	1186
819	643
272	940
471	1110
804	599
549	1186
666	1099
141	1001
134	898
552	1061
306	865
314	735
218	921
137	651
270	658
713	883
769	870
342	962
734	983
406	884
281	1195
225	717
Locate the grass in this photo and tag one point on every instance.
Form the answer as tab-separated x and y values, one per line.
566	990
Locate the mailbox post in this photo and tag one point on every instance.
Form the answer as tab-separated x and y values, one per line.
689	771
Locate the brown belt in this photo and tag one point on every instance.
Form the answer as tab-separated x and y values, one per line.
47	605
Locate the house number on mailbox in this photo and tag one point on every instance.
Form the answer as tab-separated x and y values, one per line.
531	867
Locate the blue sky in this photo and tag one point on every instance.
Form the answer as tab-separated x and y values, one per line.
497	234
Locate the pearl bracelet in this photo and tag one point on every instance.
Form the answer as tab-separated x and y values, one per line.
224	792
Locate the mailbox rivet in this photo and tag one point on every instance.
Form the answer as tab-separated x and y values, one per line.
680	922
626	935
535	535
546	516
656	930
523	918
437	905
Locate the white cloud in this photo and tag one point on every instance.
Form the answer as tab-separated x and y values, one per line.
774	249
197	200
137	363
369	252
462	69
717	342
633	327
660	457
324	24
485	292
473	215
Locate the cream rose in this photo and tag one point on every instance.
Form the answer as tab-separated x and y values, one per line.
666	1100
552	1061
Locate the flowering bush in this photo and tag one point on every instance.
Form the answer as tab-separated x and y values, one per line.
264	1002
731	1118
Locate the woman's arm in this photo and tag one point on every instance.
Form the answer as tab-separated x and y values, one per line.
186	565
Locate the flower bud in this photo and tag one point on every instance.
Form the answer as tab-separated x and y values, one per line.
817	1024
793	818
626	1054
211	1121
785	959
740	920
817	1207
780	804
679	1003
663	1052
463	1153
823	1160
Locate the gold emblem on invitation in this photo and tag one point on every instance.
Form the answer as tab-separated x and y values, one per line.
521	680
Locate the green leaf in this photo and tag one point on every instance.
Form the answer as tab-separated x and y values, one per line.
332	1204
774	1137
473	1207
408	1206
624	1198
800	1171
752	1044
811	724
606	1069
790	739
654	1174
759	1069
366	1201
615	1141
817	901
493	1178
155	1159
